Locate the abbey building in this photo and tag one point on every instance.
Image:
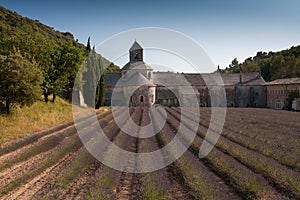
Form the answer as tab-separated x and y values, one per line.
138	85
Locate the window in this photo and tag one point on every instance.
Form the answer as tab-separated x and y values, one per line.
142	99
278	104
136	56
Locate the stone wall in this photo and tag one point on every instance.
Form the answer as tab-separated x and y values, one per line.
277	94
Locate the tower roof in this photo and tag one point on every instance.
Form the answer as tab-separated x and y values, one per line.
135	46
140	65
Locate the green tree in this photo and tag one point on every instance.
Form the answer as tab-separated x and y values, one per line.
68	64
100	92
88	46
112	68
19	82
291	96
276	67
234	67
273	65
249	66
91	78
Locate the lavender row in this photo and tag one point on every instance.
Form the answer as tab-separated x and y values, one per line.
284	150
278	174
204	182
271	148
246	182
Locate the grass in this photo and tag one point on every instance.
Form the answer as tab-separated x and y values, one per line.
24	121
153	191
104	185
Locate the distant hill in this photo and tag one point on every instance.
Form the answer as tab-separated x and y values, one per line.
273	65
14	25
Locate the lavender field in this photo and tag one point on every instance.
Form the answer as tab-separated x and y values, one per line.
256	157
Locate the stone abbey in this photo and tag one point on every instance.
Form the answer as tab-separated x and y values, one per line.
138	85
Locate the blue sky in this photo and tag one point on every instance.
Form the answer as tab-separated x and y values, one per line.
225	29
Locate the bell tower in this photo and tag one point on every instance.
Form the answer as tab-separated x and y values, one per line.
136	52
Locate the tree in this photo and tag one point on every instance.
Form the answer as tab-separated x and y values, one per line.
249	66
100	92
291	96
19	82
88	46
112	68
91	78
68	64
235	67
59	65
277	64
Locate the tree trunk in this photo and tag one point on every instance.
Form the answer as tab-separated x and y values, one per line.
54	97
7	106
46	97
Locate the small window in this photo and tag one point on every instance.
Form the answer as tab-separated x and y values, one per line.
136	57
142	99
278	104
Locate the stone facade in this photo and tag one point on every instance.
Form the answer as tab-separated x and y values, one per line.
278	90
133	86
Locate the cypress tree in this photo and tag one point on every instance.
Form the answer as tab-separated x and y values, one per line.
88	46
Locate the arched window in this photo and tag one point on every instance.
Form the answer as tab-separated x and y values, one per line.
142	99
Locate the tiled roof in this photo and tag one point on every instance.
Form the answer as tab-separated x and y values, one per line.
197	80
173	79
135	79
169	79
137	65
285	81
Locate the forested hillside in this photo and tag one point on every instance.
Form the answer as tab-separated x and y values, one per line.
273	65
14	25
56	55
